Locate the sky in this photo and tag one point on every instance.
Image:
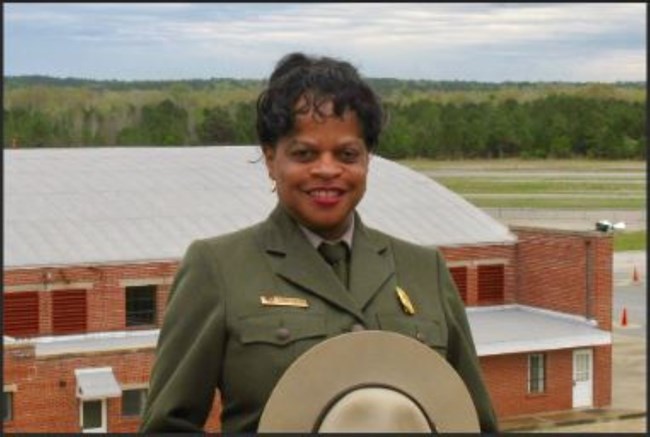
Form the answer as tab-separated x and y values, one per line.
486	42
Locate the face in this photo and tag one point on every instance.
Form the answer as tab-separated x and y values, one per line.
320	170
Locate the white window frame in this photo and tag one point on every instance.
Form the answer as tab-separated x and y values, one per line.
541	358
104	425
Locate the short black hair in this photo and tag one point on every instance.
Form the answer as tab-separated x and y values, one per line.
319	80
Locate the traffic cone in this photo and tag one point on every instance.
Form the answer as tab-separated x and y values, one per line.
624	317
635	276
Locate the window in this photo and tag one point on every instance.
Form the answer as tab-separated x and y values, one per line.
133	401
141	305
459	274
7	406
20	313
490	283
536	373
68	311
93	415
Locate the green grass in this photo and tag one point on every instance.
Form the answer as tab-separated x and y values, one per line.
577	165
571	184
634	240
466	185
574	185
579	203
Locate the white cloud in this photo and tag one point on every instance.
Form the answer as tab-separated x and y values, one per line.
414	35
610	66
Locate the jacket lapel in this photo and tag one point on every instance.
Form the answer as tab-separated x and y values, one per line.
294	259
371	266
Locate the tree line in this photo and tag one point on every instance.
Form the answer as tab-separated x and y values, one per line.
440	120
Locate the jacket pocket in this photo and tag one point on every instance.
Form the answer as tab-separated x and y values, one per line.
281	329
426	331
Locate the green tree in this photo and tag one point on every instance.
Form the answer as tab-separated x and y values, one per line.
244	123
217	127
28	128
164	124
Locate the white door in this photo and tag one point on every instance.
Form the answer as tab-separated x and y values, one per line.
583	379
93	415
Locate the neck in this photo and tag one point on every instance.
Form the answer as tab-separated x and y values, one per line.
315	238
337	233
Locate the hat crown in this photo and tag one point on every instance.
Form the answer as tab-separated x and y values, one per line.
374	409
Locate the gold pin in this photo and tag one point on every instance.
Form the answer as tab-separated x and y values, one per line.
404	299
280	301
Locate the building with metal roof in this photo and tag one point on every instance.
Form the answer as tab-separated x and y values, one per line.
103	205
93	236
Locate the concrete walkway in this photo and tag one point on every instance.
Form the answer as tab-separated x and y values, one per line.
625	263
592	420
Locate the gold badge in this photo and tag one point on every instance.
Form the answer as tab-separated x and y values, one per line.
280	301
404	299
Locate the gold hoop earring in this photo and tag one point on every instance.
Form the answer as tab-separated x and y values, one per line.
273	186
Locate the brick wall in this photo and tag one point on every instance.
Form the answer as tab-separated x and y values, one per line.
45	399
566	271
105	285
546	268
603	281
471	257
603	376
506	379
44	382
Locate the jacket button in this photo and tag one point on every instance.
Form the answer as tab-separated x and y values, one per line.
420	336
357	327
283	333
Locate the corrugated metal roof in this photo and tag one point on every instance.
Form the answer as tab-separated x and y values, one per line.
102	205
496	330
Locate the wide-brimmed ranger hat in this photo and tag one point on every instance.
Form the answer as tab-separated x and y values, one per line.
370	381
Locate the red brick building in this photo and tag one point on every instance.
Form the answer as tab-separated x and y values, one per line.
88	266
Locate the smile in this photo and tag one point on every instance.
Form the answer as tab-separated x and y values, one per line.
325	193
326	197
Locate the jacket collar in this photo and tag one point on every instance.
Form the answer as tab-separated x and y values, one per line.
296	260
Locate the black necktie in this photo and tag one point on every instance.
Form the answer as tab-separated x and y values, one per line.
336	256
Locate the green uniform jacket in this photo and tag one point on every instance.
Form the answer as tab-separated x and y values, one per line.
216	333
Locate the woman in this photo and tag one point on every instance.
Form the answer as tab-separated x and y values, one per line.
244	306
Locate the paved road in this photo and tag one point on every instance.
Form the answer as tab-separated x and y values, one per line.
561	218
531	174
630	306
636	194
630	342
630	292
579	220
624	265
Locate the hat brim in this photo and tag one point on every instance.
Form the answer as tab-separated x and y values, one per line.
368	358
